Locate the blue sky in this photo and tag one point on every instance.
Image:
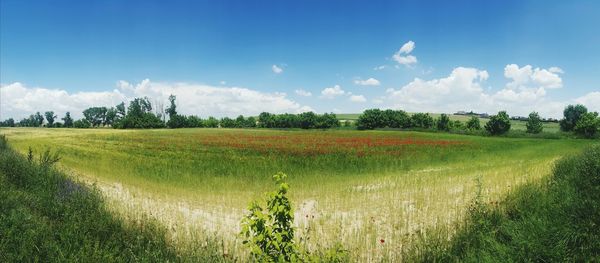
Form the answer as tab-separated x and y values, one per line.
75	47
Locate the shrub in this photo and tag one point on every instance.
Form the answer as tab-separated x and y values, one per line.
396	119
83	123
473	124
443	123
588	125
498	124
270	234
534	123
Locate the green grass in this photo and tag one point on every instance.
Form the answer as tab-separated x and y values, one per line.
47	217
350	187
555	220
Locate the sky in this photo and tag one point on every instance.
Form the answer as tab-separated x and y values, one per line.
226	58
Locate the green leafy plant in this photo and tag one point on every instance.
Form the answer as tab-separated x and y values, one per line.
269	233
498	124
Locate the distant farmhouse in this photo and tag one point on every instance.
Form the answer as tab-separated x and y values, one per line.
471	113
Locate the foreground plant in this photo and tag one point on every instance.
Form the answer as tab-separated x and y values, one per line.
269	233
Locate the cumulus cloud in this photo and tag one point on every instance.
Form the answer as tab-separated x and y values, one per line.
402	56
19	101
367	82
330	93
276	69
527	77
591	100
357	98
303	93
464	89
382	67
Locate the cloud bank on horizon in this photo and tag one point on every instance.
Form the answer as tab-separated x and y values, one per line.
463	89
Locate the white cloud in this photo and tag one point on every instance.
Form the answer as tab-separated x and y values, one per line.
407	47
18	101
379	67
590	100
367	82
527	77
357	98
463	90
304	93
276	69
403	57
330	93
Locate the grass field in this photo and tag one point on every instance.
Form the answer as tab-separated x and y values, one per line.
516	125
371	191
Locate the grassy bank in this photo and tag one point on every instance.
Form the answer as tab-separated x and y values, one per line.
45	216
555	220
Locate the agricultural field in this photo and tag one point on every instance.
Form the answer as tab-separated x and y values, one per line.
372	192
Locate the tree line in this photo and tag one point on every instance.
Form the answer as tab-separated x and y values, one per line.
576	119
140	115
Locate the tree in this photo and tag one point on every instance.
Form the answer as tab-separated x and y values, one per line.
588	125
498	124
227	122
110	117
370	119
473	124
10	122
211	122
68	121
443	123
534	123
39	119
172	109
307	120
421	120
571	116
396	119
120	111
96	116
266	120
140	116
50	118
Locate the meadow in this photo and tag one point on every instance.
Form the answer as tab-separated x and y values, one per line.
372	192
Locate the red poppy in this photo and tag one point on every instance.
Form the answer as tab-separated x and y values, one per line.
381	241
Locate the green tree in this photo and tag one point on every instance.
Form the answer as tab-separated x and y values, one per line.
96	116
370	119
534	123
443	123
82	123
38	119
50	117
572	113
473	124
211	122
588	125
68	121
421	120
498	124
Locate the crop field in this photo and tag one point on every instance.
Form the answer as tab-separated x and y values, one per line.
373	192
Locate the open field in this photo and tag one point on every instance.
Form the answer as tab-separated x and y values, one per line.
516	125
353	187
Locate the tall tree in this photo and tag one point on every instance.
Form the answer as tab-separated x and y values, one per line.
38	119
50	118
68	121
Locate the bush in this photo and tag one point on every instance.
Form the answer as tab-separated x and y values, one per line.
588	125
443	123
534	123
269	234
473	124
498	124
83	123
